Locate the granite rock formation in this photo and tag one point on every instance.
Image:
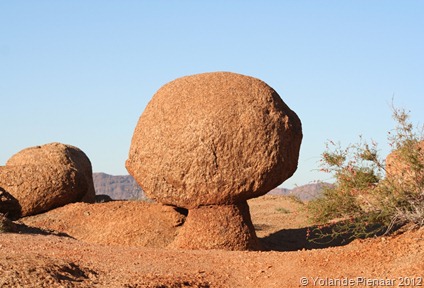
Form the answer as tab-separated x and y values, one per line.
214	139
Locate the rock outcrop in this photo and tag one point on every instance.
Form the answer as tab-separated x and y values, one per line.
41	178
214	139
124	223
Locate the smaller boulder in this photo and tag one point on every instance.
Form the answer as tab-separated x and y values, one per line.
45	177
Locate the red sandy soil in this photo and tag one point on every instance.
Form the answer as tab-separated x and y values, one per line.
47	260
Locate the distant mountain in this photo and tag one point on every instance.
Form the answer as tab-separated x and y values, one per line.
117	187
309	191
125	187
305	192
279	191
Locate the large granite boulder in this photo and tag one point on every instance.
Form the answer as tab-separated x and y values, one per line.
41	178
214	138
209	142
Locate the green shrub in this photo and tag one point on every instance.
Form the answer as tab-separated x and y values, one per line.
367	198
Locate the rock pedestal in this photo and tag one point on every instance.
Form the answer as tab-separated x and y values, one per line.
227	227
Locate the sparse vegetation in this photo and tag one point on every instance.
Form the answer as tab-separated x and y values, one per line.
370	196
295	199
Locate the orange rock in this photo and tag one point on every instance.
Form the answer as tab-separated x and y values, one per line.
125	223
209	142
214	138
44	177
226	227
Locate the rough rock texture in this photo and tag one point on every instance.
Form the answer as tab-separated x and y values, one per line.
58	154
41	178
37	188
226	227
214	138
126	223
209	142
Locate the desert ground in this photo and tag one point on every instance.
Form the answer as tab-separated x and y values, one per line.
37	257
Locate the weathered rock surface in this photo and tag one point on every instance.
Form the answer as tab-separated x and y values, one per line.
214	138
41	178
125	223
226	227
209	142
39	188
58	154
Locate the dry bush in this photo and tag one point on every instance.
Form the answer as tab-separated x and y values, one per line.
368	198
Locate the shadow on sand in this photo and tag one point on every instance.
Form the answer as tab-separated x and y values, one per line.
297	239
25	229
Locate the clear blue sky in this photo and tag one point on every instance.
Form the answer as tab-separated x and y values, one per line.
81	72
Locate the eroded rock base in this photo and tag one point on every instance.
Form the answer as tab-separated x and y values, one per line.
226	227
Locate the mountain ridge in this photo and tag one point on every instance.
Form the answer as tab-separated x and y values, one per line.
124	187
117	187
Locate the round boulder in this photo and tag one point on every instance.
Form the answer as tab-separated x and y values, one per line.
58	154
214	138
41	178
